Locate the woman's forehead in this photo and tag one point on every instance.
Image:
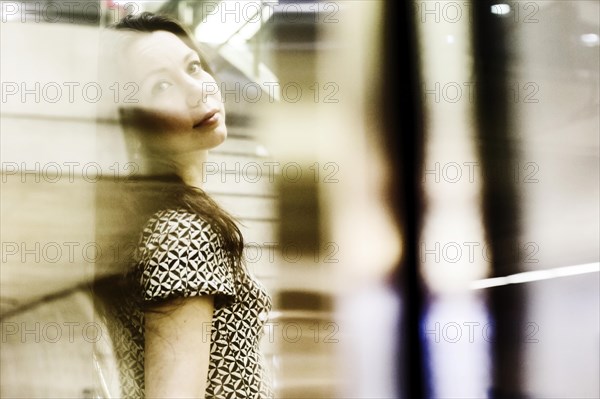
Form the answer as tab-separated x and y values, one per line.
156	49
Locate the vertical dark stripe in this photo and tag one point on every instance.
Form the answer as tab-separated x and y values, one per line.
500	204
403	129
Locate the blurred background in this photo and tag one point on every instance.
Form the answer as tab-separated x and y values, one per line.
417	184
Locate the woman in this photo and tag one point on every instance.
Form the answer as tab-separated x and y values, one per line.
188	317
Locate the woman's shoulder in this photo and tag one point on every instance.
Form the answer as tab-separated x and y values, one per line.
177	228
180	219
180	254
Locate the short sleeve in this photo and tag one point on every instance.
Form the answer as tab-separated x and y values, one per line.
180	255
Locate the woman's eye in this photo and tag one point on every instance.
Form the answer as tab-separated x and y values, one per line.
160	87
195	67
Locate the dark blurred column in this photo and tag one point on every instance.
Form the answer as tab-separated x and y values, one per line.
403	129
500	204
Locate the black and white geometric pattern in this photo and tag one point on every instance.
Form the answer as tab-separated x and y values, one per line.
180	255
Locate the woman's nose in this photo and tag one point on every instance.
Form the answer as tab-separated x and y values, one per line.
196	91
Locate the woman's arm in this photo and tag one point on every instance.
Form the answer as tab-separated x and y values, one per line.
177	349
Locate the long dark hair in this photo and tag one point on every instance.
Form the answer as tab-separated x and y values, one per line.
141	196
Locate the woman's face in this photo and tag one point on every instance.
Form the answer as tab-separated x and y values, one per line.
179	106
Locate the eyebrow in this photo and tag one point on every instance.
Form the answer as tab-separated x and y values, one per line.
187	57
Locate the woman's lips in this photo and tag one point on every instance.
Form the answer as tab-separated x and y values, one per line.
209	119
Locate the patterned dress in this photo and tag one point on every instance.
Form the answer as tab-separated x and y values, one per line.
180	255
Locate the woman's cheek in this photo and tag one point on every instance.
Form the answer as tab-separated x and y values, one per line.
157	121
171	117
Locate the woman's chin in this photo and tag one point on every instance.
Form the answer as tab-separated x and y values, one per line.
219	135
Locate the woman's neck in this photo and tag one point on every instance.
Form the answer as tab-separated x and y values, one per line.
190	167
